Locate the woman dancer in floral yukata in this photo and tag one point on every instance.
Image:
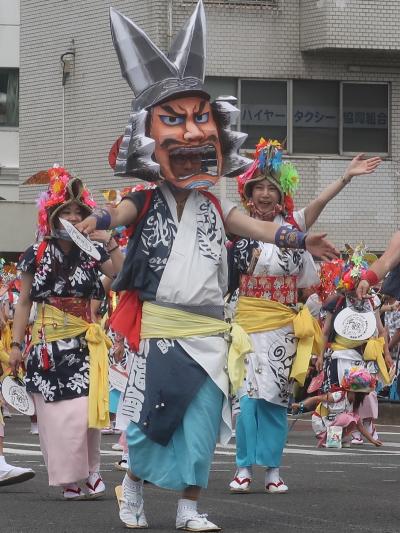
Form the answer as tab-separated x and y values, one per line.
67	362
175	271
268	278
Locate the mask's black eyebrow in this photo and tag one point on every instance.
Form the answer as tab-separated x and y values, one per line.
168	109
201	107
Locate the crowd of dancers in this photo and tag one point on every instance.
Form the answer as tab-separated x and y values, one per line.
170	305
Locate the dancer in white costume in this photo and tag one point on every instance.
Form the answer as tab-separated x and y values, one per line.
268	278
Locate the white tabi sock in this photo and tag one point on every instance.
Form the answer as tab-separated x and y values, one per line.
272	475
131	486
244	471
187	504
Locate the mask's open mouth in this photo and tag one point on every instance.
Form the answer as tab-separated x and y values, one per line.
188	161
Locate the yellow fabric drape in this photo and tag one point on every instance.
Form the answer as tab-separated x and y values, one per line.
4	362
341	343
322	410
256	315
4	357
373	351
6	337
59	325
165	322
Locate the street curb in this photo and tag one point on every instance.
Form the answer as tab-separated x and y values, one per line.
389	412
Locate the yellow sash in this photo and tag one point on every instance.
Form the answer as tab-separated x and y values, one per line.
4	362
59	325
341	343
373	351
322	410
256	315
165	322
4	357
6	337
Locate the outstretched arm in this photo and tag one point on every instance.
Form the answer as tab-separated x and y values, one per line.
367	434
311	402
111	217
239	224
357	167
381	267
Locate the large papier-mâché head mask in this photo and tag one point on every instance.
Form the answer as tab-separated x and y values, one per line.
174	132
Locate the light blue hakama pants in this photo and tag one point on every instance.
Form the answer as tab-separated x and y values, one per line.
261	433
187	458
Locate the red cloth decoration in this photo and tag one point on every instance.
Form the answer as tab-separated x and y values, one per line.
127	318
113	153
370	276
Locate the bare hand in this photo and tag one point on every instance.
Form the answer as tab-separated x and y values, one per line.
118	352
15	360
388	361
362	289
295	408
87	226
377	442
319	363
359	166
317	245
100	235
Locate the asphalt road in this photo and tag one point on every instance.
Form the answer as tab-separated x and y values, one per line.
330	491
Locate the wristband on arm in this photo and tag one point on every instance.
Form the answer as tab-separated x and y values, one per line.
103	218
370	276
287	237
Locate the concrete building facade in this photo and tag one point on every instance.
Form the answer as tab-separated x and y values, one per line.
321	75
9	80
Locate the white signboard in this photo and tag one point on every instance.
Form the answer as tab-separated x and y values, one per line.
313	116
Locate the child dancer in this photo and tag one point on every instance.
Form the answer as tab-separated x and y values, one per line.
341	407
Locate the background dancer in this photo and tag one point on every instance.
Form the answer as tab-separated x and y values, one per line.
268	279
67	360
341	408
9	474
339	352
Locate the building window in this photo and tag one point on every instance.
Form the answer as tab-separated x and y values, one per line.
315	117
325	117
221	87
365	117
263	110
9	89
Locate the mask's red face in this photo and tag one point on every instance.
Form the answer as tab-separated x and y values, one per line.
187	143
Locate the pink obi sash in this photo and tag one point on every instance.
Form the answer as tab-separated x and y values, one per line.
280	289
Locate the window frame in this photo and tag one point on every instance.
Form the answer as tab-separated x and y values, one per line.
8	127
289	115
239	99
388	84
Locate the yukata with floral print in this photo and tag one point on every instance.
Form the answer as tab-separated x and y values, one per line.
67	358
75	275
